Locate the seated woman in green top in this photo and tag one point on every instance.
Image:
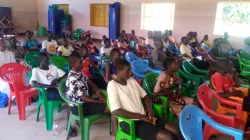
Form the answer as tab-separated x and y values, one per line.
30	44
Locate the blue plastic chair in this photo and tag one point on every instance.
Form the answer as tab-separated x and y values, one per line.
205	47
139	68
191	124
130	57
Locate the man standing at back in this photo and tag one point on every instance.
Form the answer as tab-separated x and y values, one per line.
5	55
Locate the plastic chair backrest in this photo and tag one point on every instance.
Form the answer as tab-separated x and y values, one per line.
31	59
205	97
130	57
187	65
13	73
104	60
139	67
60	62
191	120
149	82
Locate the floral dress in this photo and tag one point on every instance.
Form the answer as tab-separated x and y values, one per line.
165	82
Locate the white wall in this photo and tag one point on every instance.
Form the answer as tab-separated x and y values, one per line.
190	15
23	13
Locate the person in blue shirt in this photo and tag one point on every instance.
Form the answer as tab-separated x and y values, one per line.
30	44
174	50
246	47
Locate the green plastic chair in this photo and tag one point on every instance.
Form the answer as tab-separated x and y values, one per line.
149	82
244	55
244	66
31	59
77	34
104	60
189	85
85	121
48	106
191	70
60	62
131	136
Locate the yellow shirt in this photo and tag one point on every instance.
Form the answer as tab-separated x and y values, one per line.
208	43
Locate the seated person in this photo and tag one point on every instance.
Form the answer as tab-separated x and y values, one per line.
207	42
115	55
122	44
105	51
17	50
150	40
174	50
246	47
226	42
124	36
103	39
5	55
47	76
30	44
132	36
49	45
140	48
185	49
90	45
77	90
65	49
170	37
165	42
158	56
165	81
225	79
125	95
87	63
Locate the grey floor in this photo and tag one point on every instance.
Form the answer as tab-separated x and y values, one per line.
12	128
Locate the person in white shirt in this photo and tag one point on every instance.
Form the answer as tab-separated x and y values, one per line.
5	55
50	46
66	49
125	94
47	76
185	49
150	41
104	51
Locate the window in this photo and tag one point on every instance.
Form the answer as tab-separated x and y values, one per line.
157	16
99	15
232	17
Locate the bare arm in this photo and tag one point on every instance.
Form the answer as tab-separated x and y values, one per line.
36	84
123	113
228	94
148	105
90	100
108	74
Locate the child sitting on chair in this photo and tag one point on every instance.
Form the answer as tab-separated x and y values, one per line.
30	44
140	48
91	47
165	81
125	97
107	48
65	49
47	76
77	90
49	45
110	67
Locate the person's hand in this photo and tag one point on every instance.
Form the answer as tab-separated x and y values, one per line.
101	96
240	94
54	82
152	118
113	76
101	101
146	119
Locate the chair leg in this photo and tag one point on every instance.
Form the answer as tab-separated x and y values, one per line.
9	103
69	125
58	108
29	101
38	109
49	116
21	108
85	129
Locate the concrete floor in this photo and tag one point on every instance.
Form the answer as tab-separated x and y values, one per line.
13	129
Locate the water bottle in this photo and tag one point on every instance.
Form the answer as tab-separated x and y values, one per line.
55	128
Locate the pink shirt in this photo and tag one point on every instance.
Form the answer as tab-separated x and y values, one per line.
164	81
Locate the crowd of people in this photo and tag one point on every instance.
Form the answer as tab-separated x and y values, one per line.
124	93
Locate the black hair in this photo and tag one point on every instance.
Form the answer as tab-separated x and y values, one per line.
114	51
121	64
170	32
106	40
223	63
133	31
142	38
73	57
104	36
41	56
29	32
183	38
168	61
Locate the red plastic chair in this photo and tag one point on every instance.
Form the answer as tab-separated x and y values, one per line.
13	73
205	95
